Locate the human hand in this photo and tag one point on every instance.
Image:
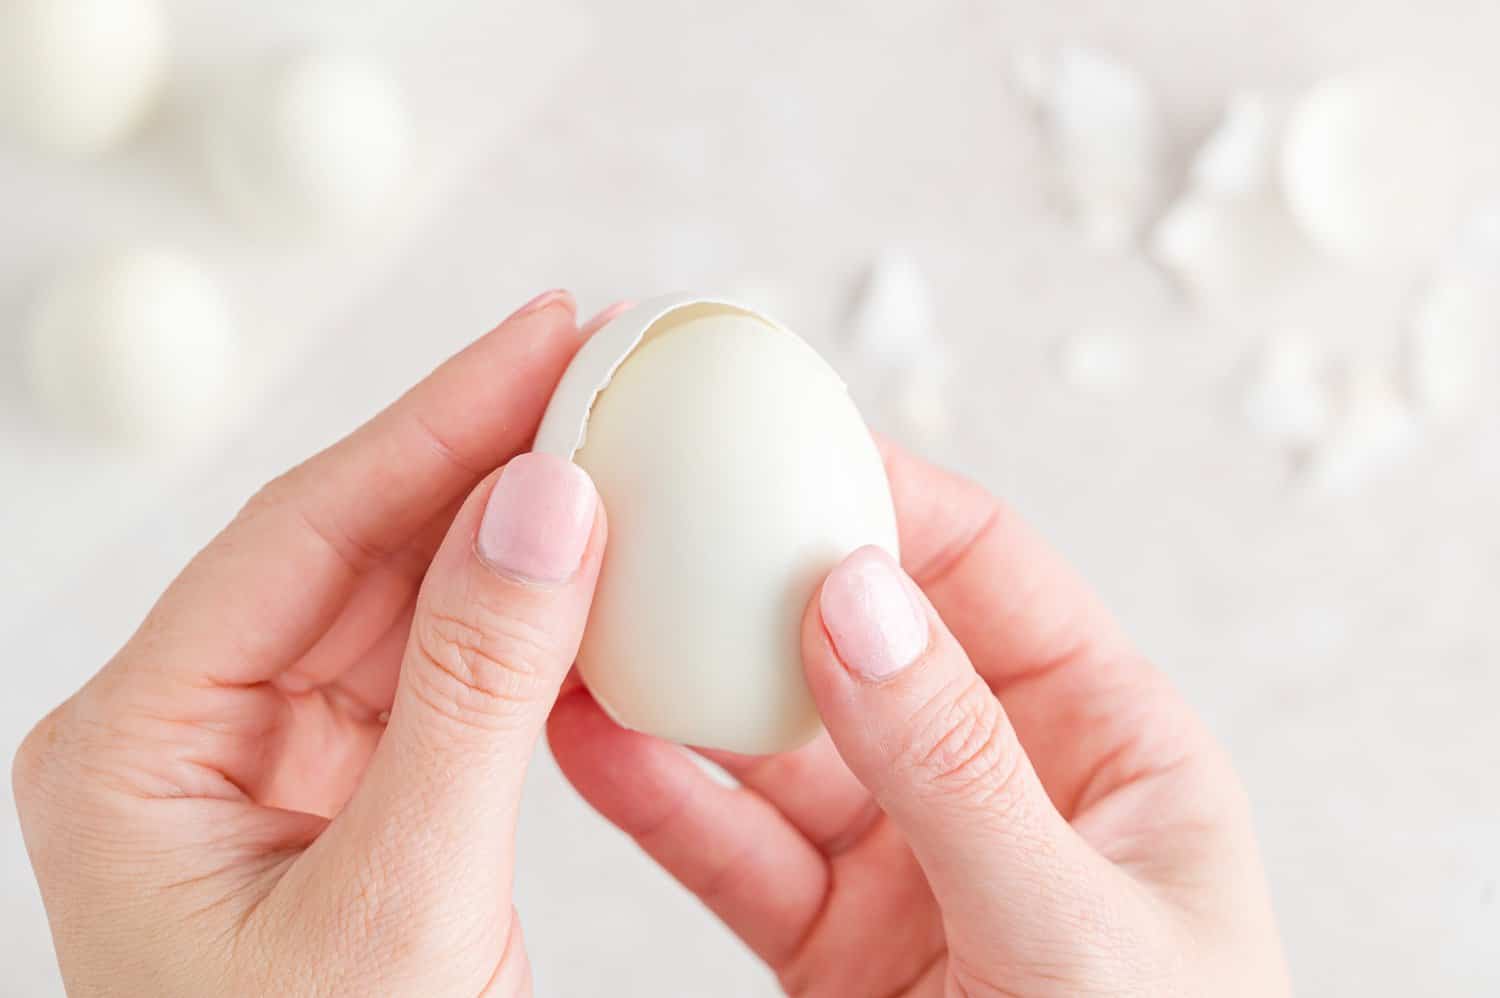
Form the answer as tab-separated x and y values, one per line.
1008	799
224	808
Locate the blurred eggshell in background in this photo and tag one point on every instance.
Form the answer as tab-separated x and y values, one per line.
1239	157
78	76
137	346
1451	344
736	472
924	407
1452	336
1099	362
1287	400
1377	165
1229	235
312	140
1107	136
893	320
1374	431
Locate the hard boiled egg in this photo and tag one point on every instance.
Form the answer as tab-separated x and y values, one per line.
311	140
78	76
736	472
138	346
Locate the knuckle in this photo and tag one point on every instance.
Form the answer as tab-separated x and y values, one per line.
26	767
34	776
269	496
961	746
481	673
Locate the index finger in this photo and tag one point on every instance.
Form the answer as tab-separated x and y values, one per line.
262	592
1086	705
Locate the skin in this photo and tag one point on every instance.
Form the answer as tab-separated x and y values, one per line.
301	775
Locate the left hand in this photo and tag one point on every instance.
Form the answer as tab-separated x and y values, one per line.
224	808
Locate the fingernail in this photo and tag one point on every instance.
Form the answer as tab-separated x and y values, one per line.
541	301
604	318
538	519
872	616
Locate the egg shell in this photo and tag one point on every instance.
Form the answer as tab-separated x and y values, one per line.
736	472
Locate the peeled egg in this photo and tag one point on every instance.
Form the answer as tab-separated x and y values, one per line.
137	346
736	472
314	140
78	75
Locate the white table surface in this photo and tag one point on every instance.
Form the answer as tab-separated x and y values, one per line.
1345	650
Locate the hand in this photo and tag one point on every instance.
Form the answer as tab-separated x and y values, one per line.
224	809
1017	806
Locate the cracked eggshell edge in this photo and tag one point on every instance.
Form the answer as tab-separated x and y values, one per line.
564	425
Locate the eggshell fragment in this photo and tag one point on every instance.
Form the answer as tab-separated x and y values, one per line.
1229	235
1374	432
78	76
924	404
894	317
1099	362
1239	158
1287	400
1107	135
1451	344
736	472
138	346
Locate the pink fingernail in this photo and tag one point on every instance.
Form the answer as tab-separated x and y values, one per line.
541	301
538	519
872	615
604	318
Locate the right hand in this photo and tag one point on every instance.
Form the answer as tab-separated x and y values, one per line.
1020	805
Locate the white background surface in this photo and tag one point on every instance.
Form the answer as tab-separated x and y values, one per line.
1345	650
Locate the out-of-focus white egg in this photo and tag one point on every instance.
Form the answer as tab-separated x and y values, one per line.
138	346
1377	165
311	141
78	76
736	472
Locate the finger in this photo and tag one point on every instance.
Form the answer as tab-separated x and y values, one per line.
923	731
1010	599
1089	708
811	786
604	318
259	596
385	593
726	845
496	627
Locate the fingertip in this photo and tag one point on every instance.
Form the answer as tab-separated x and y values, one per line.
875	619
571	714
556	298
538	520
604	318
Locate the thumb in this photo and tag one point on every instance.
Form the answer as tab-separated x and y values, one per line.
921	729
496	627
